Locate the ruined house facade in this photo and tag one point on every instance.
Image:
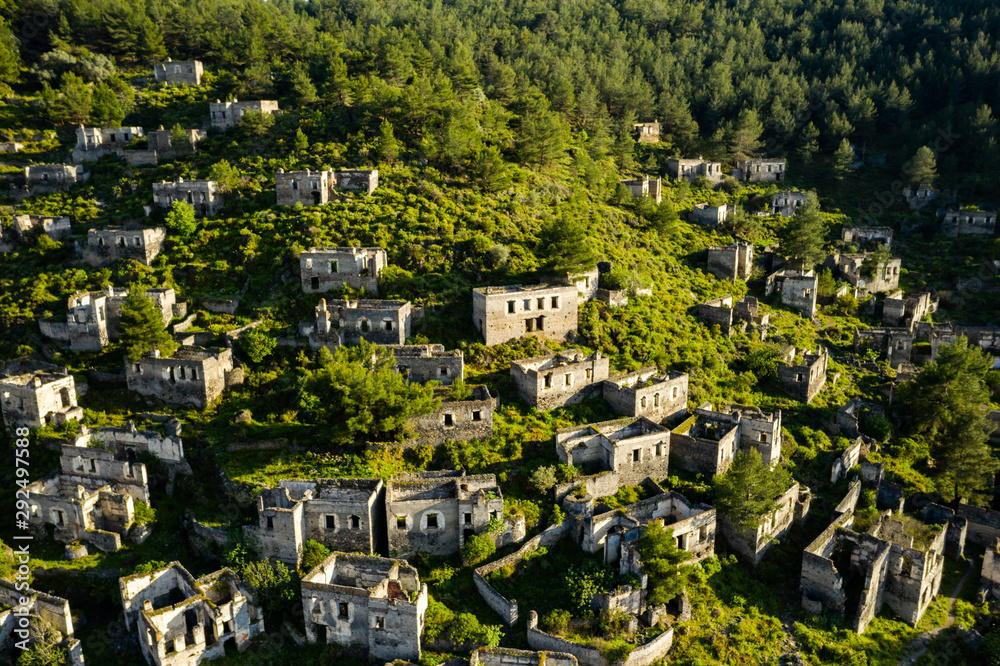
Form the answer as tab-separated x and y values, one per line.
563	378
375	603
690	169
55	228
181	72
160	146
893	343
742	316
803	376
631	448
708	215
957	223
203	195
182	620
463	420
341	514
761	171
729	262
92	317
707	442
647	393
507	313
908	311
867	235
424	363
315	188
788	202
19	601
869	279
94	142
192	376
105	246
435	512
752	544
224	115
327	268
48	178
348	322
645	187
798	290
647	132
35	395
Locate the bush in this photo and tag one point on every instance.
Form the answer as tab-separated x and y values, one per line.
144	514
543	478
478	548
437	619
556	621
313	554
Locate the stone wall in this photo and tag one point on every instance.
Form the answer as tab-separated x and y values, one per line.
984	524
229	114
556	380
846	460
648	393
202	195
498	656
327	268
424	363
181	72
803	381
731	261
105	246
508	313
193	375
457	420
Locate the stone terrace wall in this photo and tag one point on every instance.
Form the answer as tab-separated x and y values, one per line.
984	524
540	640
507	610
509	657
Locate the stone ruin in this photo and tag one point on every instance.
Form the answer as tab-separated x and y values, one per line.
803	375
202	195
49	178
328	268
729	262
39	607
192	376
645	187
498	656
182	620
55	228
128	443
464	420
159	146
92	143
347	322
894	344
867	235
798	289
181	72
850	266
909	311
731	318
648	393
105	246
508	313
224	115
690	169
708	215
424	363
751	545
920	196
34	395
315	188
647	132
707	441
376	604
559	379
760	170
787	203
955	223
632	448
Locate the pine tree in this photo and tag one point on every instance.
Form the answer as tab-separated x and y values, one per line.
141	326
544	136
745	136
301	88
106	110
301	141
749	489
181	219
71	103
805	234
180	140
663	562
922	169
10	57
808	142
489	170
843	159
565	245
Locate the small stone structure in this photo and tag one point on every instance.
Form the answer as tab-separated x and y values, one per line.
649	393
957	223
456	420
707	441
631	448
498	656
898	563
375	603
48	178
182	620
920	196
341	514
851	455
893	343
424	363
128	443
159	146
883	277
435	512
92	143
192	376
35	395
690	169
750	545
990	577
740	317
761	171
203	195
647	132
646	654
708	215
315	188
327	268
55	228
507	313
224	115
105	246
729	262
803	375
92	317
798	290
788	202
347	322
867	235
559	379
645	187
181	72
18	601
909	311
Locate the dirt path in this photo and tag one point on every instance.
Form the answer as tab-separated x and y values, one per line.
918	646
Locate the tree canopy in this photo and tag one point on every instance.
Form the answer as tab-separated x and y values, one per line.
749	490
141	326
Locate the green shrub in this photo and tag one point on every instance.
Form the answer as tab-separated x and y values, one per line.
478	548
437	619
144	514
556	621
313	554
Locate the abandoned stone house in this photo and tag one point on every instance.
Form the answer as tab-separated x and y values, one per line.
742	316
328	268
435	512
788	202
729	262
631	448
648	393
105	246
898	562
347	322
55	228
750	545
159	146
181	72
456	420
487	656
203	195
92	143
707	442
224	115
424	363
867	236
957	223
798	290
182	620
315	188
38	607
92	317
645	187
708	215
91	499
356	180
803	375
647	132
341	514
559	379
192	376
375	603
128	443
907	312
690	169
35	395
920	196
860	271
761	171
895	344
48	178
507	313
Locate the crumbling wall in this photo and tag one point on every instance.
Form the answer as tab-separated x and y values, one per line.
498	656
457	420
424	363
508	313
